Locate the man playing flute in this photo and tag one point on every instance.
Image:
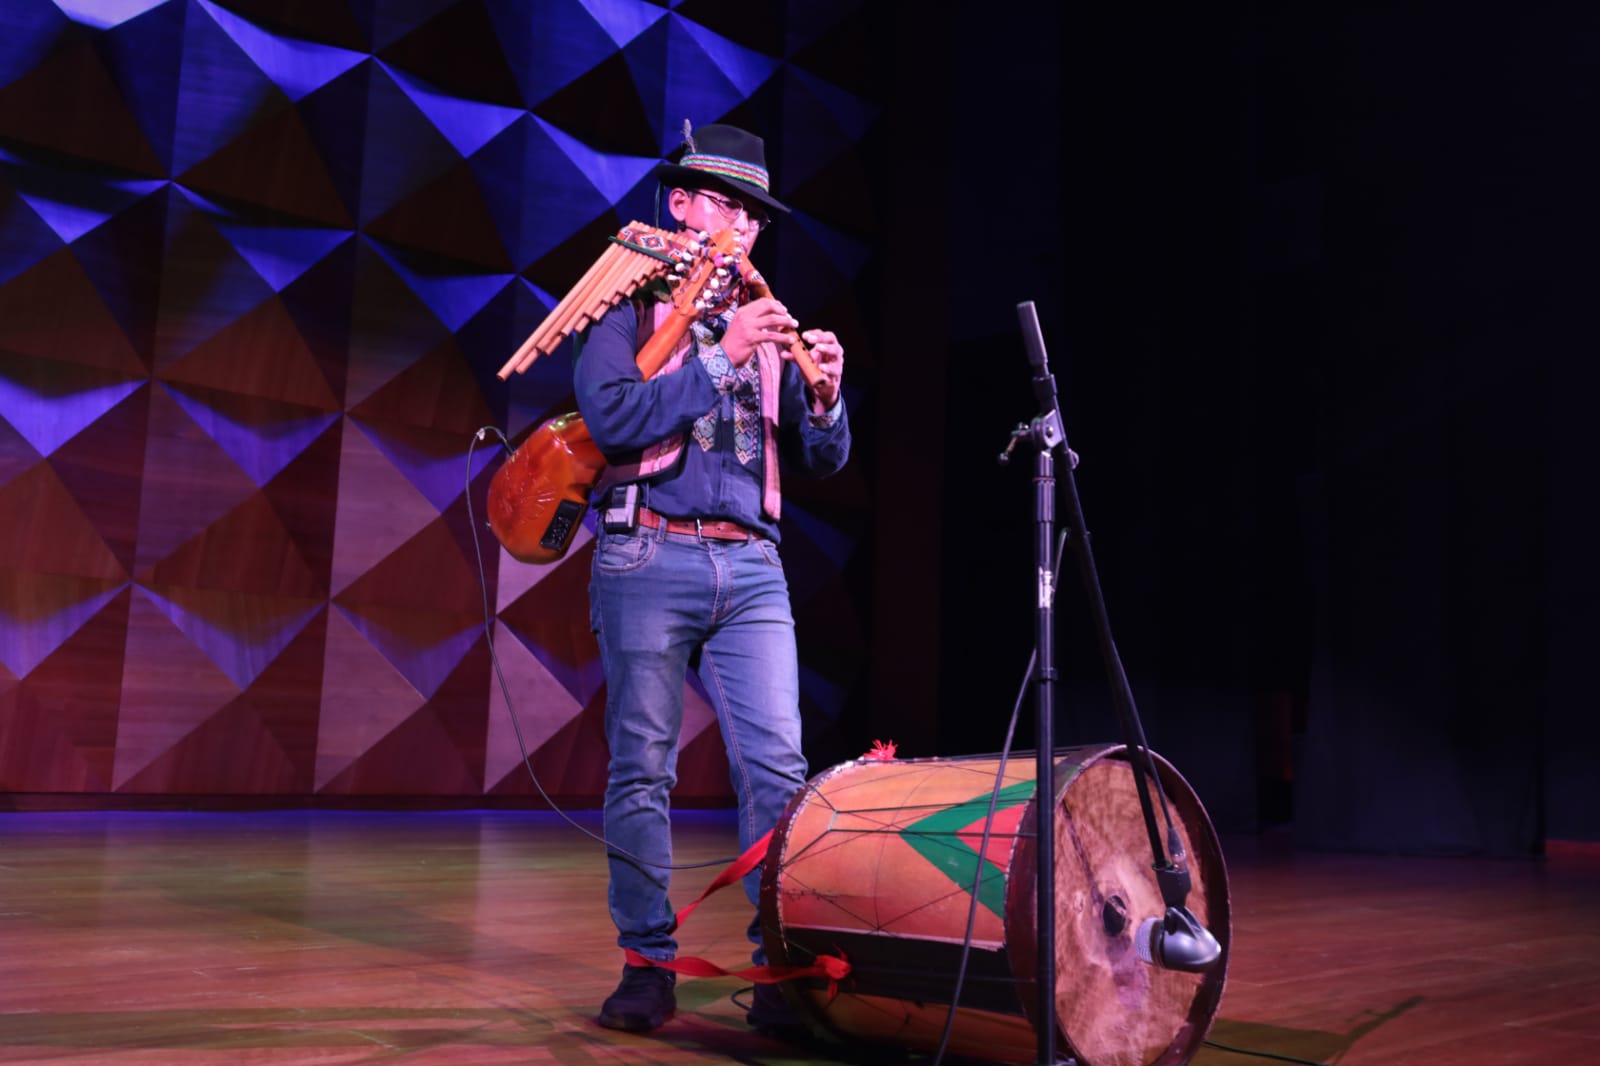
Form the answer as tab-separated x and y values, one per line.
686	568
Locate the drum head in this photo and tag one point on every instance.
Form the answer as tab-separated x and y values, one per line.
1112	1007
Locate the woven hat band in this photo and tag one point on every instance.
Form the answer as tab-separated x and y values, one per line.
724	167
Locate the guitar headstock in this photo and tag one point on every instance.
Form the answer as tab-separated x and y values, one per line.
705	272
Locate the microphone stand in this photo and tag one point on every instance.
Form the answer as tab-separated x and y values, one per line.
1044	434
1179	942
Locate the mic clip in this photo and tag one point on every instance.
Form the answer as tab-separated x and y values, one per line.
1174	881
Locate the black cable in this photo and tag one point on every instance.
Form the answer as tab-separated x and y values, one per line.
1262	1054
1139	754
505	690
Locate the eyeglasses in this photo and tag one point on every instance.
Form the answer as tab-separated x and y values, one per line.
730	209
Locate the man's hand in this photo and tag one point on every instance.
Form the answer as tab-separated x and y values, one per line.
828	354
757	321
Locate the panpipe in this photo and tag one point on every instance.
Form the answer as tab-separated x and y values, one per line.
637	255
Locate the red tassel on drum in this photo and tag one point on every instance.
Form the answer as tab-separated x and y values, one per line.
881	752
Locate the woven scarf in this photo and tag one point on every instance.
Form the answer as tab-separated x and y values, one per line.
740	389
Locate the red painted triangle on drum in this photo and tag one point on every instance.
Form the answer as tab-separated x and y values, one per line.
1001	835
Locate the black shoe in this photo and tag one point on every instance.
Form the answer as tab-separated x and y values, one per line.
770	1015
642	1001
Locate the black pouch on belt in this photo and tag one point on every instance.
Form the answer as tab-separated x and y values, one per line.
621	511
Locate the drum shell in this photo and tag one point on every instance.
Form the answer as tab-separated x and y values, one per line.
875	861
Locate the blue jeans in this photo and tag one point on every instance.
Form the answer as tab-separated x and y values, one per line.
654	598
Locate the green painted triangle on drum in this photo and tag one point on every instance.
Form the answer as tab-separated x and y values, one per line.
937	838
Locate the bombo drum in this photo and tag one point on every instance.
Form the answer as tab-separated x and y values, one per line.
875	861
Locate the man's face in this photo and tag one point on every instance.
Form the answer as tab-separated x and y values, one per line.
713	210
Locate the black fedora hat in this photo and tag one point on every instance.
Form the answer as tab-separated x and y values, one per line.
721	156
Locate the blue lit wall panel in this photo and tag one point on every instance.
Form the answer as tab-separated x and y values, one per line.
259	263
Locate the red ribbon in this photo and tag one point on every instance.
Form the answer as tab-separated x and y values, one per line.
834	968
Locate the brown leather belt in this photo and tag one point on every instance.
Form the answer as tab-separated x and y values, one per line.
715	529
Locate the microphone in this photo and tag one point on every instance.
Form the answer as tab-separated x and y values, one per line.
1032	338
1044	383
1177	942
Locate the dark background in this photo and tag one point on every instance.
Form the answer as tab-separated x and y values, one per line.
1316	285
1316	288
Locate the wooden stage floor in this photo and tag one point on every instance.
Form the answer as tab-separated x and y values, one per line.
482	937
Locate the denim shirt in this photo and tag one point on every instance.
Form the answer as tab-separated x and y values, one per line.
625	414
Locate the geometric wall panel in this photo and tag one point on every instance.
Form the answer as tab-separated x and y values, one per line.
170	686
50	534
189	482
41	611
365	697
59	719
259	264
543	706
54	310
102	468
50	402
379	509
